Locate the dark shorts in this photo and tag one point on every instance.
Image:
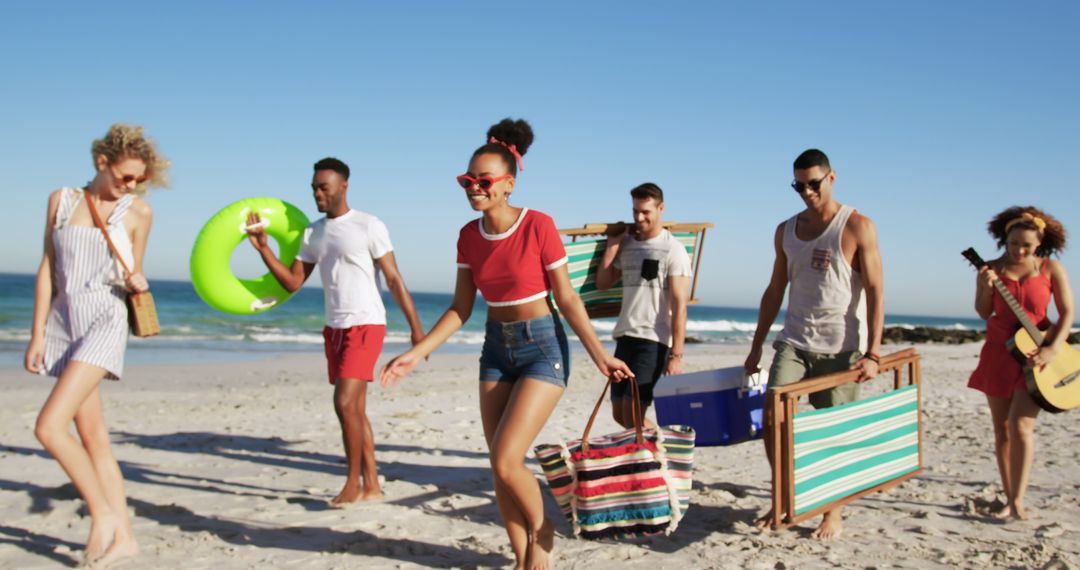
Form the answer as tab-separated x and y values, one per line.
647	359
352	352
790	365
536	348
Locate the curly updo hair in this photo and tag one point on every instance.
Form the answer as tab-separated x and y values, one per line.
1051	238
517	133
128	141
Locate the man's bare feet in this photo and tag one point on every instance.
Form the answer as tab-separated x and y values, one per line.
123	546
102	532
541	543
831	526
765	521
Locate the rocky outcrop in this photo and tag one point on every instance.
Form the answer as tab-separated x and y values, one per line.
943	336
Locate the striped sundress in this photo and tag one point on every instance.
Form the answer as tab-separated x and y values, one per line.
88	319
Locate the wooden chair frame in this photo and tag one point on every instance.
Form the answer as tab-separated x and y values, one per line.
697	228
781	404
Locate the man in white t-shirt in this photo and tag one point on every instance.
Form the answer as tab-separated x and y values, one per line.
349	246
655	270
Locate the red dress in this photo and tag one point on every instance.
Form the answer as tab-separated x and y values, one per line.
999	373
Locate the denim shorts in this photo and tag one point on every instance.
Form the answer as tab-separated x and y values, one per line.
535	348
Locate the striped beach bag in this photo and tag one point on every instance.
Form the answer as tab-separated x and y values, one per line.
631	483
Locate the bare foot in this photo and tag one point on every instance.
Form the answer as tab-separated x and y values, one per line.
1001	512
764	522
541	543
831	526
123	546
102	531
1012	512
349	495
373	496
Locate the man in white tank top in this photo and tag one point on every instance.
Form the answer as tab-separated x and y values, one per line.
350	247
828	254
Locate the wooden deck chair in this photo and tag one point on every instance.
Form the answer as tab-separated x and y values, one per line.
830	457
585	255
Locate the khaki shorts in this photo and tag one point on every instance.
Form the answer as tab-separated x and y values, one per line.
791	365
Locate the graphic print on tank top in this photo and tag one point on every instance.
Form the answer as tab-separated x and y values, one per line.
821	259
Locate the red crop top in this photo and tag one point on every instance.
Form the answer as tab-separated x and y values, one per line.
511	268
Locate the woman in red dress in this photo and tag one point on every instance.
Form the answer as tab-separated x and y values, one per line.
1029	236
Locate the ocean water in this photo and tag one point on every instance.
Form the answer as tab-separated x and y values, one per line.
192	331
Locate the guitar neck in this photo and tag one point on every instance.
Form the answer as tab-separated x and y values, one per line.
1014	305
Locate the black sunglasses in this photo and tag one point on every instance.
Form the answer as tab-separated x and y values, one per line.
814	185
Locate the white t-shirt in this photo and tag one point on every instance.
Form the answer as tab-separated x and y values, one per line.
646	266
345	249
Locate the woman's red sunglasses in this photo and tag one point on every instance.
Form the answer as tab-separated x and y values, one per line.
484	182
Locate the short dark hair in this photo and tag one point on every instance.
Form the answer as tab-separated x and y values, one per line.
811	158
648	190
331	163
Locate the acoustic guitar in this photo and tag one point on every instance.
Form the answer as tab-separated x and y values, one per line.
1056	387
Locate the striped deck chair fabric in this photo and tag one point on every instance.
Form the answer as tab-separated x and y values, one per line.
846	449
584	259
619	489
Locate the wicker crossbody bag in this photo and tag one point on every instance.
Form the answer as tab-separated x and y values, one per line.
142	314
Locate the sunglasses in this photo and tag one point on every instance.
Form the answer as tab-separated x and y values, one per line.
128	178
814	185
484	182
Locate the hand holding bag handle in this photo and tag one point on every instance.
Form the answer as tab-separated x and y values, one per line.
142	314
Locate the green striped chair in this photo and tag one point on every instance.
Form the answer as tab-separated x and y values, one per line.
850	448
830	457
585	256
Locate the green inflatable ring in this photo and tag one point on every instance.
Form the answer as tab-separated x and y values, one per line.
210	272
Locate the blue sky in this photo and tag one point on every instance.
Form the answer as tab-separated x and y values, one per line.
936	115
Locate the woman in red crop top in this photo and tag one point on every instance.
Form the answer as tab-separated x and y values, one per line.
1030	236
514	256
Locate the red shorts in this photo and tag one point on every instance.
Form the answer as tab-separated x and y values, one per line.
352	352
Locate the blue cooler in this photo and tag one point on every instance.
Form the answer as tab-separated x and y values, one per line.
724	406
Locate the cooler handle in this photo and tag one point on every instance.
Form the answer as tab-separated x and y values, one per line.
752	383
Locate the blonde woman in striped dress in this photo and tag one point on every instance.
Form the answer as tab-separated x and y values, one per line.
80	327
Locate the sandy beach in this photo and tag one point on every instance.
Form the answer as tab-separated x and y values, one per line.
231	465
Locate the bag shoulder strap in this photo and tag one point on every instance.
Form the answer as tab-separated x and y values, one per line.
105	232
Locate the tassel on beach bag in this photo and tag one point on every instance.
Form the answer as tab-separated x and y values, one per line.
142	314
631	483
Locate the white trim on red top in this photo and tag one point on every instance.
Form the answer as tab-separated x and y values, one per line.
558	263
528	299
507	233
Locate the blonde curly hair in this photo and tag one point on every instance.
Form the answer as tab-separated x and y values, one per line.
127	141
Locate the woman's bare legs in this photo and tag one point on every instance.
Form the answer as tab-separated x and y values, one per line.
75	385
1022	416
90	423
493	399
513	415
999	417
